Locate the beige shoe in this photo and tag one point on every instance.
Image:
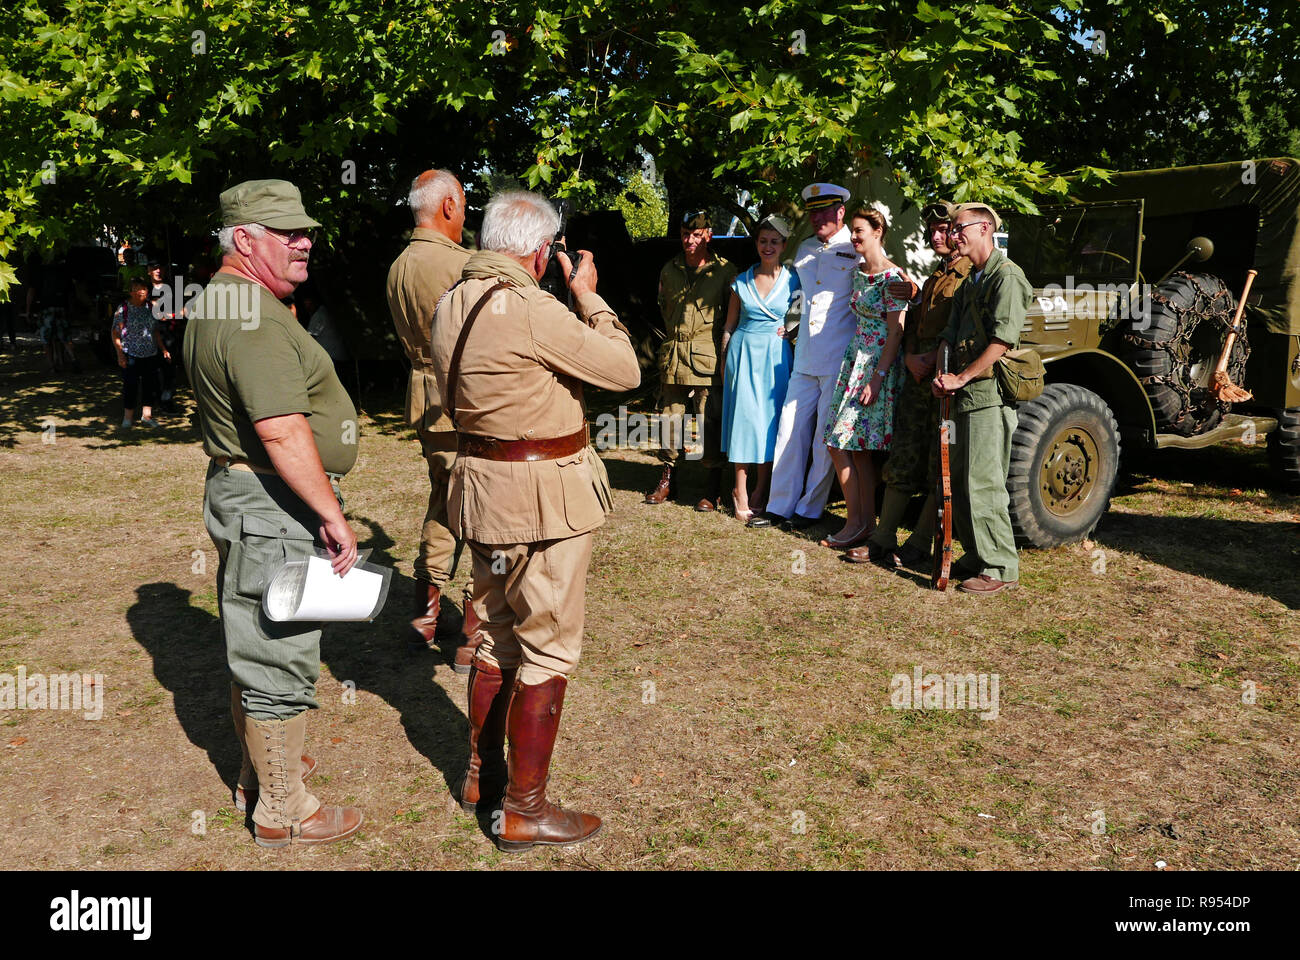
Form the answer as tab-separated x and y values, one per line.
285	811
246	785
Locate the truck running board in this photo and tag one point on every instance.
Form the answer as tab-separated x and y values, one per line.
1234	426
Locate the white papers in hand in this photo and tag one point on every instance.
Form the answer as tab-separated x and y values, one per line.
310	590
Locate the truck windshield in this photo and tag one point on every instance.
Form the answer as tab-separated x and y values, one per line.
1093	243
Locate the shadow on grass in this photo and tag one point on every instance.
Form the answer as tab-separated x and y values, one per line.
86	405
1253	556
189	659
377	658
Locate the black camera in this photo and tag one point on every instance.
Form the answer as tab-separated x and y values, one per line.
552	280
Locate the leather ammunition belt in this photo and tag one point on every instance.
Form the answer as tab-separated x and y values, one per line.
552	448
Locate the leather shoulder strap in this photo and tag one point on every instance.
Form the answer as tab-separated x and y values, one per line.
453	371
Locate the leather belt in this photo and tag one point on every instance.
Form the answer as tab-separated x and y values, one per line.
551	448
231	463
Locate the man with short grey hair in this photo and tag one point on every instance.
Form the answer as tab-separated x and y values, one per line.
420	275
280	432
527	491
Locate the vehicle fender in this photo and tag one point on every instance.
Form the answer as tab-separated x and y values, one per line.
1107	376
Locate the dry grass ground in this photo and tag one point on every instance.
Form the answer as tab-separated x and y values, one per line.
724	700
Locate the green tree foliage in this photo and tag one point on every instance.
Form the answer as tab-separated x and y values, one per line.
1157	83
130	102
644	207
136	113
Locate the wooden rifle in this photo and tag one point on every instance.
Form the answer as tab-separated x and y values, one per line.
943	491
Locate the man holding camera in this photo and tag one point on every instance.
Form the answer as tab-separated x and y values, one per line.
526	493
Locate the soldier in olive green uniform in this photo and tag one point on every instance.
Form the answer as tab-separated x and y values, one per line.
694	288
913	452
431	263
988	313
281	432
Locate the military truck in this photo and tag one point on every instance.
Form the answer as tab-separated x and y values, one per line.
1136	286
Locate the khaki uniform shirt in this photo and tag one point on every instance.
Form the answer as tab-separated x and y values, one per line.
693	304
990	306
249	359
922	328
521	377
418	277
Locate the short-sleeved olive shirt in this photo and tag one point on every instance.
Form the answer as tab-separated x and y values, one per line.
998	295
249	359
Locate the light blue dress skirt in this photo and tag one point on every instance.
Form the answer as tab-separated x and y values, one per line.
757	370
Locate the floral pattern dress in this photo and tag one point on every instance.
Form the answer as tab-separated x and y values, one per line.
852	425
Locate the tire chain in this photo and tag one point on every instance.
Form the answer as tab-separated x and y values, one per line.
1205	306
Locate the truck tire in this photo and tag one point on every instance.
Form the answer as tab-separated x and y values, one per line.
1173	353
1064	461
1284	449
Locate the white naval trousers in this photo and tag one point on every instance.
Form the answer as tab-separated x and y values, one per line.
802	427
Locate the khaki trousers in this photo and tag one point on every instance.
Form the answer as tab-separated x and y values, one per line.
437	544
532	598
677	401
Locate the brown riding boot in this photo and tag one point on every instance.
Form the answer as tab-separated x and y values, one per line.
527	817
712	491
489	704
246	785
285	811
471	635
667	488
434	621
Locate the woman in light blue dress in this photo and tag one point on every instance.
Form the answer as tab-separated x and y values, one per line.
756	367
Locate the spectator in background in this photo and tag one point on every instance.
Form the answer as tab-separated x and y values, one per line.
170	327
53	327
756	369
130	268
138	343
316	318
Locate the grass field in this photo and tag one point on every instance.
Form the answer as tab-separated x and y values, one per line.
733	704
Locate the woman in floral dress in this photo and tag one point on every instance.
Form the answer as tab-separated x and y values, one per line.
862	410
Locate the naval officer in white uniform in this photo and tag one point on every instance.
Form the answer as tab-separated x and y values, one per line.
825	263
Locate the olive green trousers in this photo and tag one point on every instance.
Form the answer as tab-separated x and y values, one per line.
981	456
257	523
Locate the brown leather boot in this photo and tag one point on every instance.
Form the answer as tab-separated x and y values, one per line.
285	811
470	635
667	488
489	704
712	491
527	817
434	622
246	785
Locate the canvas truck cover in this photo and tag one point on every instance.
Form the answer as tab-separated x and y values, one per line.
1249	208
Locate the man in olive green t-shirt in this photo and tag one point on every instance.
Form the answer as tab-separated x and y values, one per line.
280	430
988	313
